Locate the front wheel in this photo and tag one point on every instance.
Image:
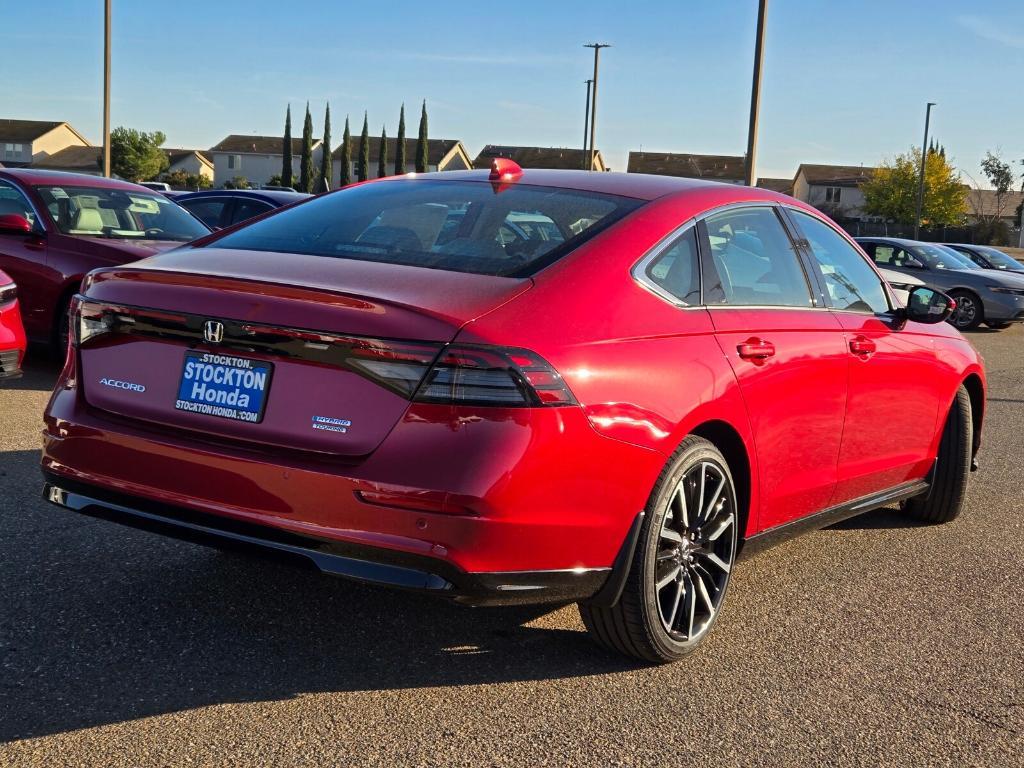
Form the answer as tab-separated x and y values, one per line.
681	568
968	313
945	497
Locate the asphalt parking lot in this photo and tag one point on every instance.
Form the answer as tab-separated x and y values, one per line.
876	642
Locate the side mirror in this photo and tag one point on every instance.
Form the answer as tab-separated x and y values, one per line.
13	224
913	263
926	305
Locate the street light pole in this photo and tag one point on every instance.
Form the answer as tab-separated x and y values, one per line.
920	181
106	88
755	95
586	123
593	100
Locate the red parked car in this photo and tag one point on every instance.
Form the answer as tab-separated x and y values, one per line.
12	334
55	227
514	387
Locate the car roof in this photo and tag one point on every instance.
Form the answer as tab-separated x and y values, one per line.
897	240
266	195
642	186
34	176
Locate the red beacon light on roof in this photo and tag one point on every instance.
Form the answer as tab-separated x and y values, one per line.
503	169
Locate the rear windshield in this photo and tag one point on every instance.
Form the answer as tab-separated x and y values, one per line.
461	226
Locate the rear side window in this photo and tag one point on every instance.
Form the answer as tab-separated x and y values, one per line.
676	270
454	225
246	209
207	211
753	261
851	282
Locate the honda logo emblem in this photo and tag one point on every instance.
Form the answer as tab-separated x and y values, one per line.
213	331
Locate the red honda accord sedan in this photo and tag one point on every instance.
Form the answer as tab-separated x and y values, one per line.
517	386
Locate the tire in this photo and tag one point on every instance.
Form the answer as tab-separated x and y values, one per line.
969	312
945	499
997	326
683	561
61	332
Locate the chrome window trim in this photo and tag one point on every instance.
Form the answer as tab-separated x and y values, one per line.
639	269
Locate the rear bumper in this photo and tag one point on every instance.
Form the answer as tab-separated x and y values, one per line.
367	564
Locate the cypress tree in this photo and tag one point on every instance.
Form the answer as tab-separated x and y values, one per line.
400	144
286	150
382	155
364	150
306	164
346	157
326	171
422	156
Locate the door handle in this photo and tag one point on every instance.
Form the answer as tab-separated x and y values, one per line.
755	349
862	346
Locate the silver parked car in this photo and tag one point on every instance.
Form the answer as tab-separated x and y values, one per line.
982	295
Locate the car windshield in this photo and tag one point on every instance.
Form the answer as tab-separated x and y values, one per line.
938	257
118	213
999	259
461	226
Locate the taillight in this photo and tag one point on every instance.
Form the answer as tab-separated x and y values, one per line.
397	365
89	320
493	376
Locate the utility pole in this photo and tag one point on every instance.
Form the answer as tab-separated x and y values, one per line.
106	88
755	95
586	123
593	100
920	181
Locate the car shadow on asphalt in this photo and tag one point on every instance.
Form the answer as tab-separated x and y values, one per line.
886	517
101	624
39	373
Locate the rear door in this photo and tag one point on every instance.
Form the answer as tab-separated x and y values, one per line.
892	404
787	351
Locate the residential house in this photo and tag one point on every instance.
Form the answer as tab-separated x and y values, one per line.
985	204
540	157
195	162
26	141
833	189
442	155
785	186
256	158
730	169
75	159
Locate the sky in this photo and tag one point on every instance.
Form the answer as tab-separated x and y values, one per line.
844	82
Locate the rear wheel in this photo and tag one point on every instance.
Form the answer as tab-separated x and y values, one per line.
945	498
681	568
968	313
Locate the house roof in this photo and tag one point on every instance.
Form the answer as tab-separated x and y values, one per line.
984	202
27	131
73	158
687	165
437	149
257	145
559	158
175	155
835	175
785	186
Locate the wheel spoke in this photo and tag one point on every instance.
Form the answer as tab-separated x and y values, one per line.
668	533
715	560
703	590
703	480
720	527
714	499
681	493
692	600
675	607
668	577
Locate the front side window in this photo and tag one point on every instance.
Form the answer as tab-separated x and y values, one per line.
676	270
999	259
937	257
119	214
752	261
12	201
851	282
454	225
207	210
246	209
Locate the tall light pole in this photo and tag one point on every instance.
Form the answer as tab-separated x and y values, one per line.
920	181
106	88
593	100
586	123
755	95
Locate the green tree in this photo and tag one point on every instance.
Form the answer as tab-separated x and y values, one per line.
136	155
286	150
275	181
326	171
184	180
422	153
346	157
891	192
400	144
364	150
306	162
237	182
382	154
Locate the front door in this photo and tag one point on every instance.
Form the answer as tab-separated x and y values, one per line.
23	257
787	352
